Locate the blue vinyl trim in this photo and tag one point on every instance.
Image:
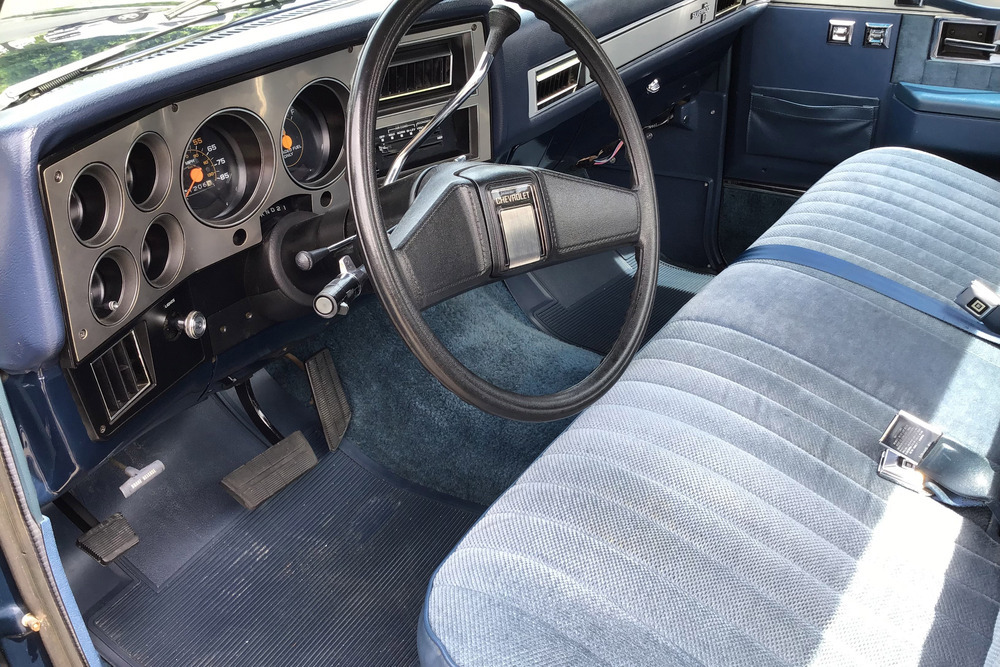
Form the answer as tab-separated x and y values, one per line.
48	537
946	312
951	101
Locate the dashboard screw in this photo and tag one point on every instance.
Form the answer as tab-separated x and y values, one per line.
103	428
174	107
474	27
223	329
248	315
58	177
83	334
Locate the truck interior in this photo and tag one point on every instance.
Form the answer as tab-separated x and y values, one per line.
557	332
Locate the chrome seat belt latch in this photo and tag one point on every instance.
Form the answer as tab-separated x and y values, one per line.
907	441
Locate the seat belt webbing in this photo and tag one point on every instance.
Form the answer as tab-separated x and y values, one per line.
946	312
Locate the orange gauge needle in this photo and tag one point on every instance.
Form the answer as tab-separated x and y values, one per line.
286	142
197	176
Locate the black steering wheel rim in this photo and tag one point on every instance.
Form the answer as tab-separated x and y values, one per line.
384	271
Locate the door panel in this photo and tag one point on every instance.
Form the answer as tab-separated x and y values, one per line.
802	104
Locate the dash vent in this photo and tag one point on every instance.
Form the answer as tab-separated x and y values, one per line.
556	82
418	71
723	6
121	375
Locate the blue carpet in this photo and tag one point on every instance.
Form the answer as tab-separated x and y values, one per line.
405	420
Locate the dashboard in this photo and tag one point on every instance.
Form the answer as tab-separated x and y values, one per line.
254	169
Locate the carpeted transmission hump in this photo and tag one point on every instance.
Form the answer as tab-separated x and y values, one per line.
332	571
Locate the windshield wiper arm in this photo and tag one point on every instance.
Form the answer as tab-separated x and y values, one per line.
184	7
43	83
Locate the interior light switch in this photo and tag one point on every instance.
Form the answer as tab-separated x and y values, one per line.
840	32
877	35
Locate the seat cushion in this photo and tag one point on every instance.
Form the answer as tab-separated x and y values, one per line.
720	506
913	217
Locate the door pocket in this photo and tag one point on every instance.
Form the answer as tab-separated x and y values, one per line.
809	126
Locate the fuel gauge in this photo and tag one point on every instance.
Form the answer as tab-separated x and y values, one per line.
312	135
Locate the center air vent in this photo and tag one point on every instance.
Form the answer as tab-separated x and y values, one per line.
121	375
418	70
556	82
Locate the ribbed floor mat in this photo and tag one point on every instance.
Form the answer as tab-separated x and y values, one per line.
332	571
594	322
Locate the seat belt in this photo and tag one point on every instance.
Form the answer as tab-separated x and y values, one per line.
974	299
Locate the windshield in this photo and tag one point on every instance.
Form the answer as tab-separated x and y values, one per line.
38	36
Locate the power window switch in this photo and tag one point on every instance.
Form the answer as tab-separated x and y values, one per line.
840	32
877	35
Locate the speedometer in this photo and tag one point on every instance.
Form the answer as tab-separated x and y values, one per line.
225	171
213	176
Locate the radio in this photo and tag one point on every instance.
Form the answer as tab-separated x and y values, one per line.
449	140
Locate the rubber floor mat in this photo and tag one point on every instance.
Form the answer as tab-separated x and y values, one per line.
332	571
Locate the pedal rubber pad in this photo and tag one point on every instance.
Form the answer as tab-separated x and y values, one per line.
270	471
109	539
329	397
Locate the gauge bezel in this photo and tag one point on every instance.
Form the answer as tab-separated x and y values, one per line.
338	165
161	170
129	270
265	169
112	193
175	250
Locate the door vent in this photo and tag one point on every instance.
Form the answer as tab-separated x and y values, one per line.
967	40
556	82
418	71
121	375
723	6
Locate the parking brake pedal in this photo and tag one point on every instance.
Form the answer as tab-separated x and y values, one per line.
109	539
328	394
270	471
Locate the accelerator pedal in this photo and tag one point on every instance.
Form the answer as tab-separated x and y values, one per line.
329	397
270	471
109	539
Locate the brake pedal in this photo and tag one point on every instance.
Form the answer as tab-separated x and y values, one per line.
109	539
329	397
270	471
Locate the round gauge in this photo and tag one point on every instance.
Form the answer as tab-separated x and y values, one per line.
225	170
312	136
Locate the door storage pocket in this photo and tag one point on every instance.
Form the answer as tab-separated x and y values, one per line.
809	126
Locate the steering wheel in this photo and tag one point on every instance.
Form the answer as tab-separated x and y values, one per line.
472	223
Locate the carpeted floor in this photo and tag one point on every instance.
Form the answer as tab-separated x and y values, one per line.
746	213
405	420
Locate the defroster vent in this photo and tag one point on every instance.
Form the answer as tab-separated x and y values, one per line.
121	374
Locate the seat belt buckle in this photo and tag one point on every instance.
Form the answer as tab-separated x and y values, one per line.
896	469
910	437
978	299
907	441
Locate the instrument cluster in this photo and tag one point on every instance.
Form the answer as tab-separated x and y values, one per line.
136	211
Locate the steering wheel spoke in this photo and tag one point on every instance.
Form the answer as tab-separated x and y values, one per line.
441	244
